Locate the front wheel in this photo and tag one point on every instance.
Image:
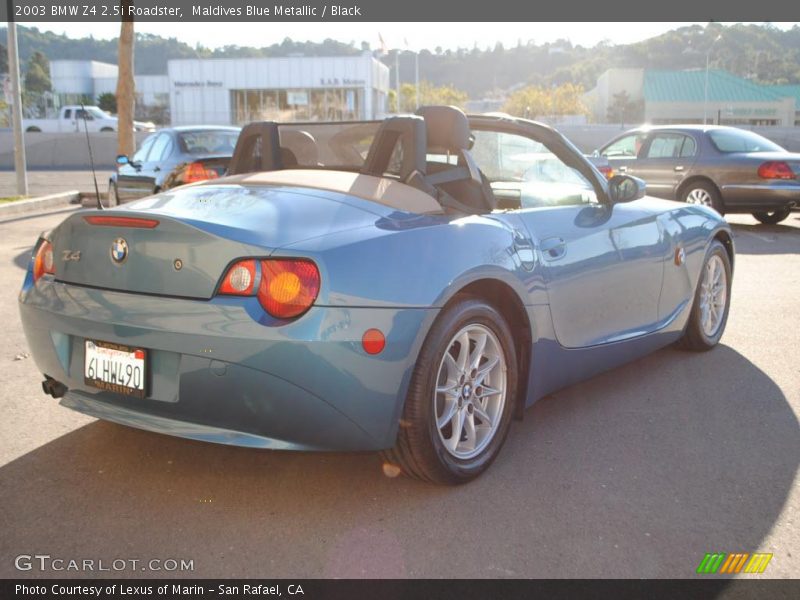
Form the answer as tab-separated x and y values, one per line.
106	129
712	301
460	400
773	216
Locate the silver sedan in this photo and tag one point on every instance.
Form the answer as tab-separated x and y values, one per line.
732	170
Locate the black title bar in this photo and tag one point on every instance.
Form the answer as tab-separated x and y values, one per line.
27	11
394	589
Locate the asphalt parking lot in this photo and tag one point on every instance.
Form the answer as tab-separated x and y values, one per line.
635	473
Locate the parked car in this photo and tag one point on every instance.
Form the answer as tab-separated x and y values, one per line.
170	158
352	286
730	169
71	118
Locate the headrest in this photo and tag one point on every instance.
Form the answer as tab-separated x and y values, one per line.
302	144
447	128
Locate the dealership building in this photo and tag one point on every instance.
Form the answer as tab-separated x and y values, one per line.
240	90
669	97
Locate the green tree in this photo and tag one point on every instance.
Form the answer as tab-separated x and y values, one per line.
624	110
535	101
107	102
3	59
429	94
37	74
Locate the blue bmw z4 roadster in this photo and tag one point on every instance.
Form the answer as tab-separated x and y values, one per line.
408	285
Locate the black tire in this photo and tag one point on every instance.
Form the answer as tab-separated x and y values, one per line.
419	450
106	129
33	130
772	217
703	186
694	337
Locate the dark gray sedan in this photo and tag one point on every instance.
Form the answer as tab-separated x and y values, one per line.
172	157
729	169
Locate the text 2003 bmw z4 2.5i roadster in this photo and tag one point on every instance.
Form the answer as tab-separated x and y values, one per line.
409	285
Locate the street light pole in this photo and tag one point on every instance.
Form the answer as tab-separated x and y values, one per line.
416	74
397	80
705	93
16	112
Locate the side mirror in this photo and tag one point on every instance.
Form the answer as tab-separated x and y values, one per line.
625	188
122	160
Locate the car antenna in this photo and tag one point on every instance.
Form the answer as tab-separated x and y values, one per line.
91	159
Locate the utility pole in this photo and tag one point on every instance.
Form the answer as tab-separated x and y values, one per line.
397	80
705	92
16	111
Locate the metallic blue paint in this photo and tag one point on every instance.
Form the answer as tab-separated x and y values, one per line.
598	283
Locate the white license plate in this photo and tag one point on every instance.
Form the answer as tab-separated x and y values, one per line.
115	368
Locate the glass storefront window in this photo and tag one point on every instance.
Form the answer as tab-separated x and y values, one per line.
334	104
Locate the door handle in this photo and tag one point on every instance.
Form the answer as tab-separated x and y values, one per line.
679	168
554	248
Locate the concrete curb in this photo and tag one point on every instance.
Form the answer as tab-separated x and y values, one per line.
40	203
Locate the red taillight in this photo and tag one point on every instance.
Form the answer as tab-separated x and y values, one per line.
240	279
288	287
775	169
198	172
607	171
111	221
43	261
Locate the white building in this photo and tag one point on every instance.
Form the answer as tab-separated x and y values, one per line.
241	90
74	80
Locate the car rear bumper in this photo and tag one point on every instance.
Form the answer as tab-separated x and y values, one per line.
761	197
221	372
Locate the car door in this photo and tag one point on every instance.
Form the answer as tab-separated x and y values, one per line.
664	161
623	152
131	177
163	158
603	265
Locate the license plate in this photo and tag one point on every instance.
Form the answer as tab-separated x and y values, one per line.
115	368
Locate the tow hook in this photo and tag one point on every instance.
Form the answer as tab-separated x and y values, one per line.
54	388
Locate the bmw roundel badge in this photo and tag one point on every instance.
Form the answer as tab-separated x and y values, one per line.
119	250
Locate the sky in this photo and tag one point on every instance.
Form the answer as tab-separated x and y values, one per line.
396	35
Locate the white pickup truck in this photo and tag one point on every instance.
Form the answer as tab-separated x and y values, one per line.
71	117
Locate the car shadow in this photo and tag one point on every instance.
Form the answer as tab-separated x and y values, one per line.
636	473
766	239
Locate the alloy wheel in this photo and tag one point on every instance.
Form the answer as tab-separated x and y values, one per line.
470	391
713	296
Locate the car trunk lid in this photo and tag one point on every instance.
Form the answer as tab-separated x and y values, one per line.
180	243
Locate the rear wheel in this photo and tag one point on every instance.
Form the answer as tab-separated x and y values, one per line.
106	129
703	193
712	301
460	401
33	130
772	217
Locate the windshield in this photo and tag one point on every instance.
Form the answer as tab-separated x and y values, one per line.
97	113
739	140
208	142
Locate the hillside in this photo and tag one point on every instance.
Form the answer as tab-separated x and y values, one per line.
759	52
